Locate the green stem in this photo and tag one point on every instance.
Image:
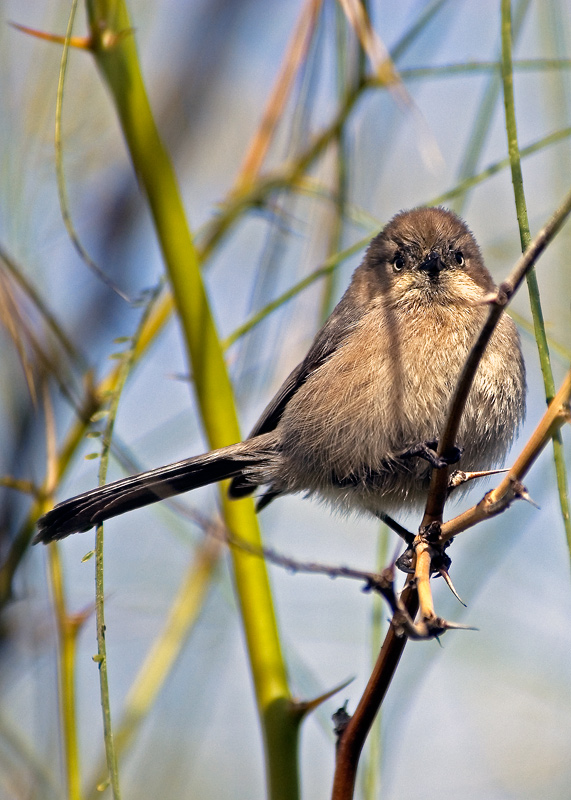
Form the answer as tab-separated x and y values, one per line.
101	660
67	634
115	52
533	287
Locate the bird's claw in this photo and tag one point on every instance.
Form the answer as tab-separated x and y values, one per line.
427	451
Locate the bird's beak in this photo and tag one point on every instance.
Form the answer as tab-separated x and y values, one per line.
432	264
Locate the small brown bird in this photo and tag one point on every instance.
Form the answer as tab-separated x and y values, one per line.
356	423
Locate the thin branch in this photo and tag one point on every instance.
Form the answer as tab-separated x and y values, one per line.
355	733
61	183
498	301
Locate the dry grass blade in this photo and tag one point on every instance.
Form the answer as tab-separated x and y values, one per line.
372	44
389	77
29	343
294	58
20	331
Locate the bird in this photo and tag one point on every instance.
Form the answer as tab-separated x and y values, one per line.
357	422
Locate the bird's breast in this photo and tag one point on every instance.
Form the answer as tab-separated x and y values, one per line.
388	388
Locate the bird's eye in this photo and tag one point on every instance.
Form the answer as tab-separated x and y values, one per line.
398	263
459	258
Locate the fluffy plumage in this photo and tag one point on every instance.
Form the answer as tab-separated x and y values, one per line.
377	380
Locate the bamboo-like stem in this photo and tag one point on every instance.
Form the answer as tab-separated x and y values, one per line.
116	57
68	628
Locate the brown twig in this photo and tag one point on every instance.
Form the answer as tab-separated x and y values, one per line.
380	582
498	300
354	734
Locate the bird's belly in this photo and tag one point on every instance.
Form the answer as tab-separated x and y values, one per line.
351	447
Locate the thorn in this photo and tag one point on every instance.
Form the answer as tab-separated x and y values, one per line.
450	585
458	477
456	626
80	42
485	472
436	626
521	493
302	707
428	628
524	495
341	719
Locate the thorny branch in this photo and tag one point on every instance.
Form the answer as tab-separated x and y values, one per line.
382	583
498	301
439	484
434	535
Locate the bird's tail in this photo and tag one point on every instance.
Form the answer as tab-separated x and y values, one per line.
82	512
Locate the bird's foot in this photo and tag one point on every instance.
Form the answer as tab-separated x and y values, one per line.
427	451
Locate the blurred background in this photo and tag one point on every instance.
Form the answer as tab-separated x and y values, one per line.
483	714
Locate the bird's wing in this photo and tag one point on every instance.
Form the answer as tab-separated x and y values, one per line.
323	347
327	341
